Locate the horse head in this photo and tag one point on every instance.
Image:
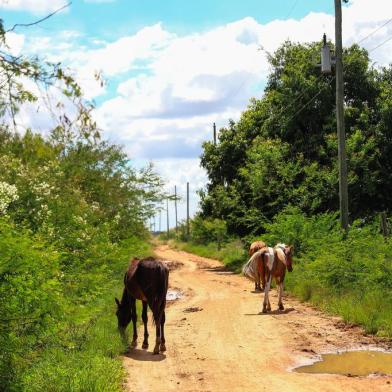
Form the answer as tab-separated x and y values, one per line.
123	313
288	252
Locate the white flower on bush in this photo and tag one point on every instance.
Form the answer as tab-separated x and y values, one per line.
80	220
8	194
42	190
95	206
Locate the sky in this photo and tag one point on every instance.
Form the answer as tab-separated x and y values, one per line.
172	68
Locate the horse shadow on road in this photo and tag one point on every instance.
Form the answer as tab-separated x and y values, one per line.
144	355
221	270
275	312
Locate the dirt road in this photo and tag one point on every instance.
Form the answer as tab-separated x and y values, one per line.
217	340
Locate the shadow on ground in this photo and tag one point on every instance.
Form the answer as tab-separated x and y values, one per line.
276	312
144	355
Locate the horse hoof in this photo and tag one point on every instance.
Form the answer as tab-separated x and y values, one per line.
156	350
281	307
264	310
162	348
134	344
145	345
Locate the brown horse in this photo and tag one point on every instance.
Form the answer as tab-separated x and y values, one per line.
283	258
254	247
275	261
146	280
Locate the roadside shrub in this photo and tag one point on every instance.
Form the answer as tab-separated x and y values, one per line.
204	231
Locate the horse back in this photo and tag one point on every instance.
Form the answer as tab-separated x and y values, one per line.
146	279
256	246
130	281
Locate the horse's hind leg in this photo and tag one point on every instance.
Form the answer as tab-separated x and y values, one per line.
259	275
163	346
134	319
280	303
157	339
145	320
266	303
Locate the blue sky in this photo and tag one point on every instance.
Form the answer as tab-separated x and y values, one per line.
172	68
112	19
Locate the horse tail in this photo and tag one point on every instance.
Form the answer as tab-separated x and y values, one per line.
159	302
250	269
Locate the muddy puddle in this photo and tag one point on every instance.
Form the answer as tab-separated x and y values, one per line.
352	363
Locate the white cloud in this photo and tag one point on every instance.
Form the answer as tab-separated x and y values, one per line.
169	89
177	173
34	6
15	43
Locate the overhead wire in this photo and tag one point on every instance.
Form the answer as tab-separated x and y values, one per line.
382	43
318	78
374	31
292	9
371	50
310	100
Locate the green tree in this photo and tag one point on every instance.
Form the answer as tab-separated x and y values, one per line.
283	149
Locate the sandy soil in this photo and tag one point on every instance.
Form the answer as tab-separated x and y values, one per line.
217	340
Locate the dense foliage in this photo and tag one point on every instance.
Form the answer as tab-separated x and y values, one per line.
72	212
273	175
283	150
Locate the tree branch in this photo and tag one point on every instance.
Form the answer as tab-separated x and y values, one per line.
40	20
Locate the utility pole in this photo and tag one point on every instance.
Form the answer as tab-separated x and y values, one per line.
160	220
175	205
343	187
187	210
167	217
214	134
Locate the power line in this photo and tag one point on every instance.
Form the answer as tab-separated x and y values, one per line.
292	9
382	43
374	31
310	101
371	50
318	79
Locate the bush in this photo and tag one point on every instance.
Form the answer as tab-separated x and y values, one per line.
204	231
349	276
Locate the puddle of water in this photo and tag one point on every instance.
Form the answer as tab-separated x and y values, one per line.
173	295
353	363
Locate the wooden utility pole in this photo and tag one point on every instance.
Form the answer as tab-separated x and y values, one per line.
384	224
343	187
160	220
167	217
175	205
187	209
214	134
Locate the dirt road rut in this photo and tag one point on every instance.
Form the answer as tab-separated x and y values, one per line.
217	340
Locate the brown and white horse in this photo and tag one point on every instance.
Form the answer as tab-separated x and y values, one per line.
254	247
275	262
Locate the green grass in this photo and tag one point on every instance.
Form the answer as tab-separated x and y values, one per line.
93	366
84	356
